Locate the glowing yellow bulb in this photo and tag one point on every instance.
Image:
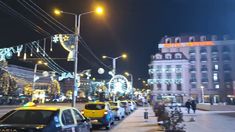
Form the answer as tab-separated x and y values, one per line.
124	56
57	12
99	10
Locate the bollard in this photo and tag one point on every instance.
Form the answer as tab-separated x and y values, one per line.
146	115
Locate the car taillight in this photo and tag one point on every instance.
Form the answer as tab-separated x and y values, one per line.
105	112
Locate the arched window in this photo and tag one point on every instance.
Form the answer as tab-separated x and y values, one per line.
203	38
168	56
158	56
214	37
178	56
168	40
177	40
191	39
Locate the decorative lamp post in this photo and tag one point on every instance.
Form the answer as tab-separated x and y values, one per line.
99	10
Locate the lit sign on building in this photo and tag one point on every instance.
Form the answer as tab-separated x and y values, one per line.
187	44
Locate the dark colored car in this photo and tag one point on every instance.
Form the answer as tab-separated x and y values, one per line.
44	119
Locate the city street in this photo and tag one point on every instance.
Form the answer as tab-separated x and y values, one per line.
205	121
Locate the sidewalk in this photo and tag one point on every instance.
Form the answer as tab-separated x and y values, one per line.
136	122
209	121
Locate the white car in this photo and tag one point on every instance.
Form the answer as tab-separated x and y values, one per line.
119	112
126	106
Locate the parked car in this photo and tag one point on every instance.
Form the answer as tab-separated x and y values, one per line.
132	105
126	106
100	114
119	112
44	119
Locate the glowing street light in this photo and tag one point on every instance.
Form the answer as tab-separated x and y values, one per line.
124	56
99	10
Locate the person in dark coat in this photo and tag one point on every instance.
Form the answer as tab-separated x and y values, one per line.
194	106
188	105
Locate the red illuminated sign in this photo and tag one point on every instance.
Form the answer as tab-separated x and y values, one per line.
188	44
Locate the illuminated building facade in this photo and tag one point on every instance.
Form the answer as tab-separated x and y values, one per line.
211	65
169	76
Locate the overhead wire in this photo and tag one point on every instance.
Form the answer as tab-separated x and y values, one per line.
13	12
39	17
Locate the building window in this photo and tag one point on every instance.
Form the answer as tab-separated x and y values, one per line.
168	68
178	68
216	66
217	86
159	76
178	56
168	87
191	39
159	86
193	86
168	40
215	76
168	56
177	40
179	87
168	75
179	76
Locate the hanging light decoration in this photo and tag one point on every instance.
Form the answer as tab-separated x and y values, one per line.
31	52
25	55
44	46
51	48
37	50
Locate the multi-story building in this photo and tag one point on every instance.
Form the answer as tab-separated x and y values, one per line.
169	76
211	65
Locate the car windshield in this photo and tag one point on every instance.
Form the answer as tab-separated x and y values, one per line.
94	106
42	117
113	103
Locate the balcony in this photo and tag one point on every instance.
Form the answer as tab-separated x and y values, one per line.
226	50
227	69
204	80
203	51
193	80
192	51
204	69
226	58
192	69
214	50
204	59
215	59
192	59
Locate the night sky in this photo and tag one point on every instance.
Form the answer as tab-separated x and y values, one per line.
131	26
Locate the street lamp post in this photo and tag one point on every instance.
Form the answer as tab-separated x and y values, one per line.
132	89
114	66
35	72
202	88
77	33
114	61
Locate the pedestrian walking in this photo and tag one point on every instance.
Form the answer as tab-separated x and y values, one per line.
188	105
194	106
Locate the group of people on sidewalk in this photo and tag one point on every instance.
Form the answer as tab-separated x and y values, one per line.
191	104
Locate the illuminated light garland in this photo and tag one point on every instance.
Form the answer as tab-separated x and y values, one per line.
6	53
67	42
51	46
